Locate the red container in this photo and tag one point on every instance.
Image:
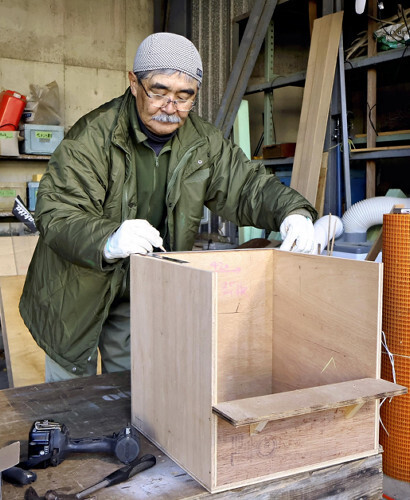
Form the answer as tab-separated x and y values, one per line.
11	108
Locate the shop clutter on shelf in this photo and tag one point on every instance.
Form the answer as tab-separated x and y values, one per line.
391	33
33	122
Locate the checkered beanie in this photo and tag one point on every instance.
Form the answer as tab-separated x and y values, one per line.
168	51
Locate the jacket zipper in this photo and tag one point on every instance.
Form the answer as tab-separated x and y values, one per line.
172	182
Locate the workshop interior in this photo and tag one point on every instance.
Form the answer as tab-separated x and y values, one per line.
255	373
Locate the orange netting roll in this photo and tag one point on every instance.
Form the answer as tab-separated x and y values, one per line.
395	413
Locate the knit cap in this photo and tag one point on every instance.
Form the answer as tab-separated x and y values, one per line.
168	51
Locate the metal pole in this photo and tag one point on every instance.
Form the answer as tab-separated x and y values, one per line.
345	135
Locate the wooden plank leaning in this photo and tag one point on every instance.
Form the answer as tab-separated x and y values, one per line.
249	49
315	105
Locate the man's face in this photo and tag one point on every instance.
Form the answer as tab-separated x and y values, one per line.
165	120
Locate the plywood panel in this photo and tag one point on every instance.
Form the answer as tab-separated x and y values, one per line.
305	401
315	105
172	348
7	260
24	359
291	445
244	318
23	247
16	253
327	320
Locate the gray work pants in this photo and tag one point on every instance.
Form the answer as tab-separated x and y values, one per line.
114	347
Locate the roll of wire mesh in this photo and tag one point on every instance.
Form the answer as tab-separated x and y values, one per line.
395	412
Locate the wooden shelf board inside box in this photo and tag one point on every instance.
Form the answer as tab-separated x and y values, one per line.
240	324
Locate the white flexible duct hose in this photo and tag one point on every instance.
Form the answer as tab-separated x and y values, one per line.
326	230
366	213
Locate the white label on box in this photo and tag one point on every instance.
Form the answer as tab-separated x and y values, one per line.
44	135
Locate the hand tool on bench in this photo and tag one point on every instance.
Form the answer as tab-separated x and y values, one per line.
17	475
50	442
116	477
163	257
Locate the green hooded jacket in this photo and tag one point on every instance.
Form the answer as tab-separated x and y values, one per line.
90	188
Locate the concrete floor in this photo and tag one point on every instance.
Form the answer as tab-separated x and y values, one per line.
392	488
397	490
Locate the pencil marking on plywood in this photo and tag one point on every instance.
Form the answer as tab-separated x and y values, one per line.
331	360
267	446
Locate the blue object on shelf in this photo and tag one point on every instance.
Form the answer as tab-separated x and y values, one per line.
32	195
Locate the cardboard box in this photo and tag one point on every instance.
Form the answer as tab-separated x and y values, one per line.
41	139
9	143
284	150
8	193
249	365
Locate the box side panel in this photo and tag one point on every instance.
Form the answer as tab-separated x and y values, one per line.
172	321
244	338
292	445
326	320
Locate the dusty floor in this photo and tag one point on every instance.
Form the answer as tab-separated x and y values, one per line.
392	488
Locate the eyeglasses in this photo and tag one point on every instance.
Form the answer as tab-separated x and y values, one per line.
160	101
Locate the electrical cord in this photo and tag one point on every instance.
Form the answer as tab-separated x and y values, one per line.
370	117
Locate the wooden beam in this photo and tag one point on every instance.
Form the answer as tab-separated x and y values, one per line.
24	358
371	100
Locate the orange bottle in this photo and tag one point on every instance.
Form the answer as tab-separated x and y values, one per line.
11	109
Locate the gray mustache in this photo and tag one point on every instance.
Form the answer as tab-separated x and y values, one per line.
166	118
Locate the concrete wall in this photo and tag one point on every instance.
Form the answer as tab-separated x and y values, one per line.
86	46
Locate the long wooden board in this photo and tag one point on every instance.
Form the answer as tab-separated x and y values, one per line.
16	253
306	401
24	358
315	104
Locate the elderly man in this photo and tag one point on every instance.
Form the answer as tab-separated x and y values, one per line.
129	177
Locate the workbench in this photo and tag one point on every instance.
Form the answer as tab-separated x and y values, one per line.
100	405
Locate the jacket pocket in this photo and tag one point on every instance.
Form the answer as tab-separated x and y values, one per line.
198	176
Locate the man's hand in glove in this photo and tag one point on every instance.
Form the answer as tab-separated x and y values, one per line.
297	234
133	236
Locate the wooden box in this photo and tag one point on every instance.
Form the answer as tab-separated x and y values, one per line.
283	150
249	365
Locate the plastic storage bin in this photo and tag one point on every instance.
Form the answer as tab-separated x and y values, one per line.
41	139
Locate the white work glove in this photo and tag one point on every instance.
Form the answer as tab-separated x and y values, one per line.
298	234
133	236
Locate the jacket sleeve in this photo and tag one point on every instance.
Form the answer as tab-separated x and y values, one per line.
241	191
70	205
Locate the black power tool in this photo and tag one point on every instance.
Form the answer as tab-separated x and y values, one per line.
50	443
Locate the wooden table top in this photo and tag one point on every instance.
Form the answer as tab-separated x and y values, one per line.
89	407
